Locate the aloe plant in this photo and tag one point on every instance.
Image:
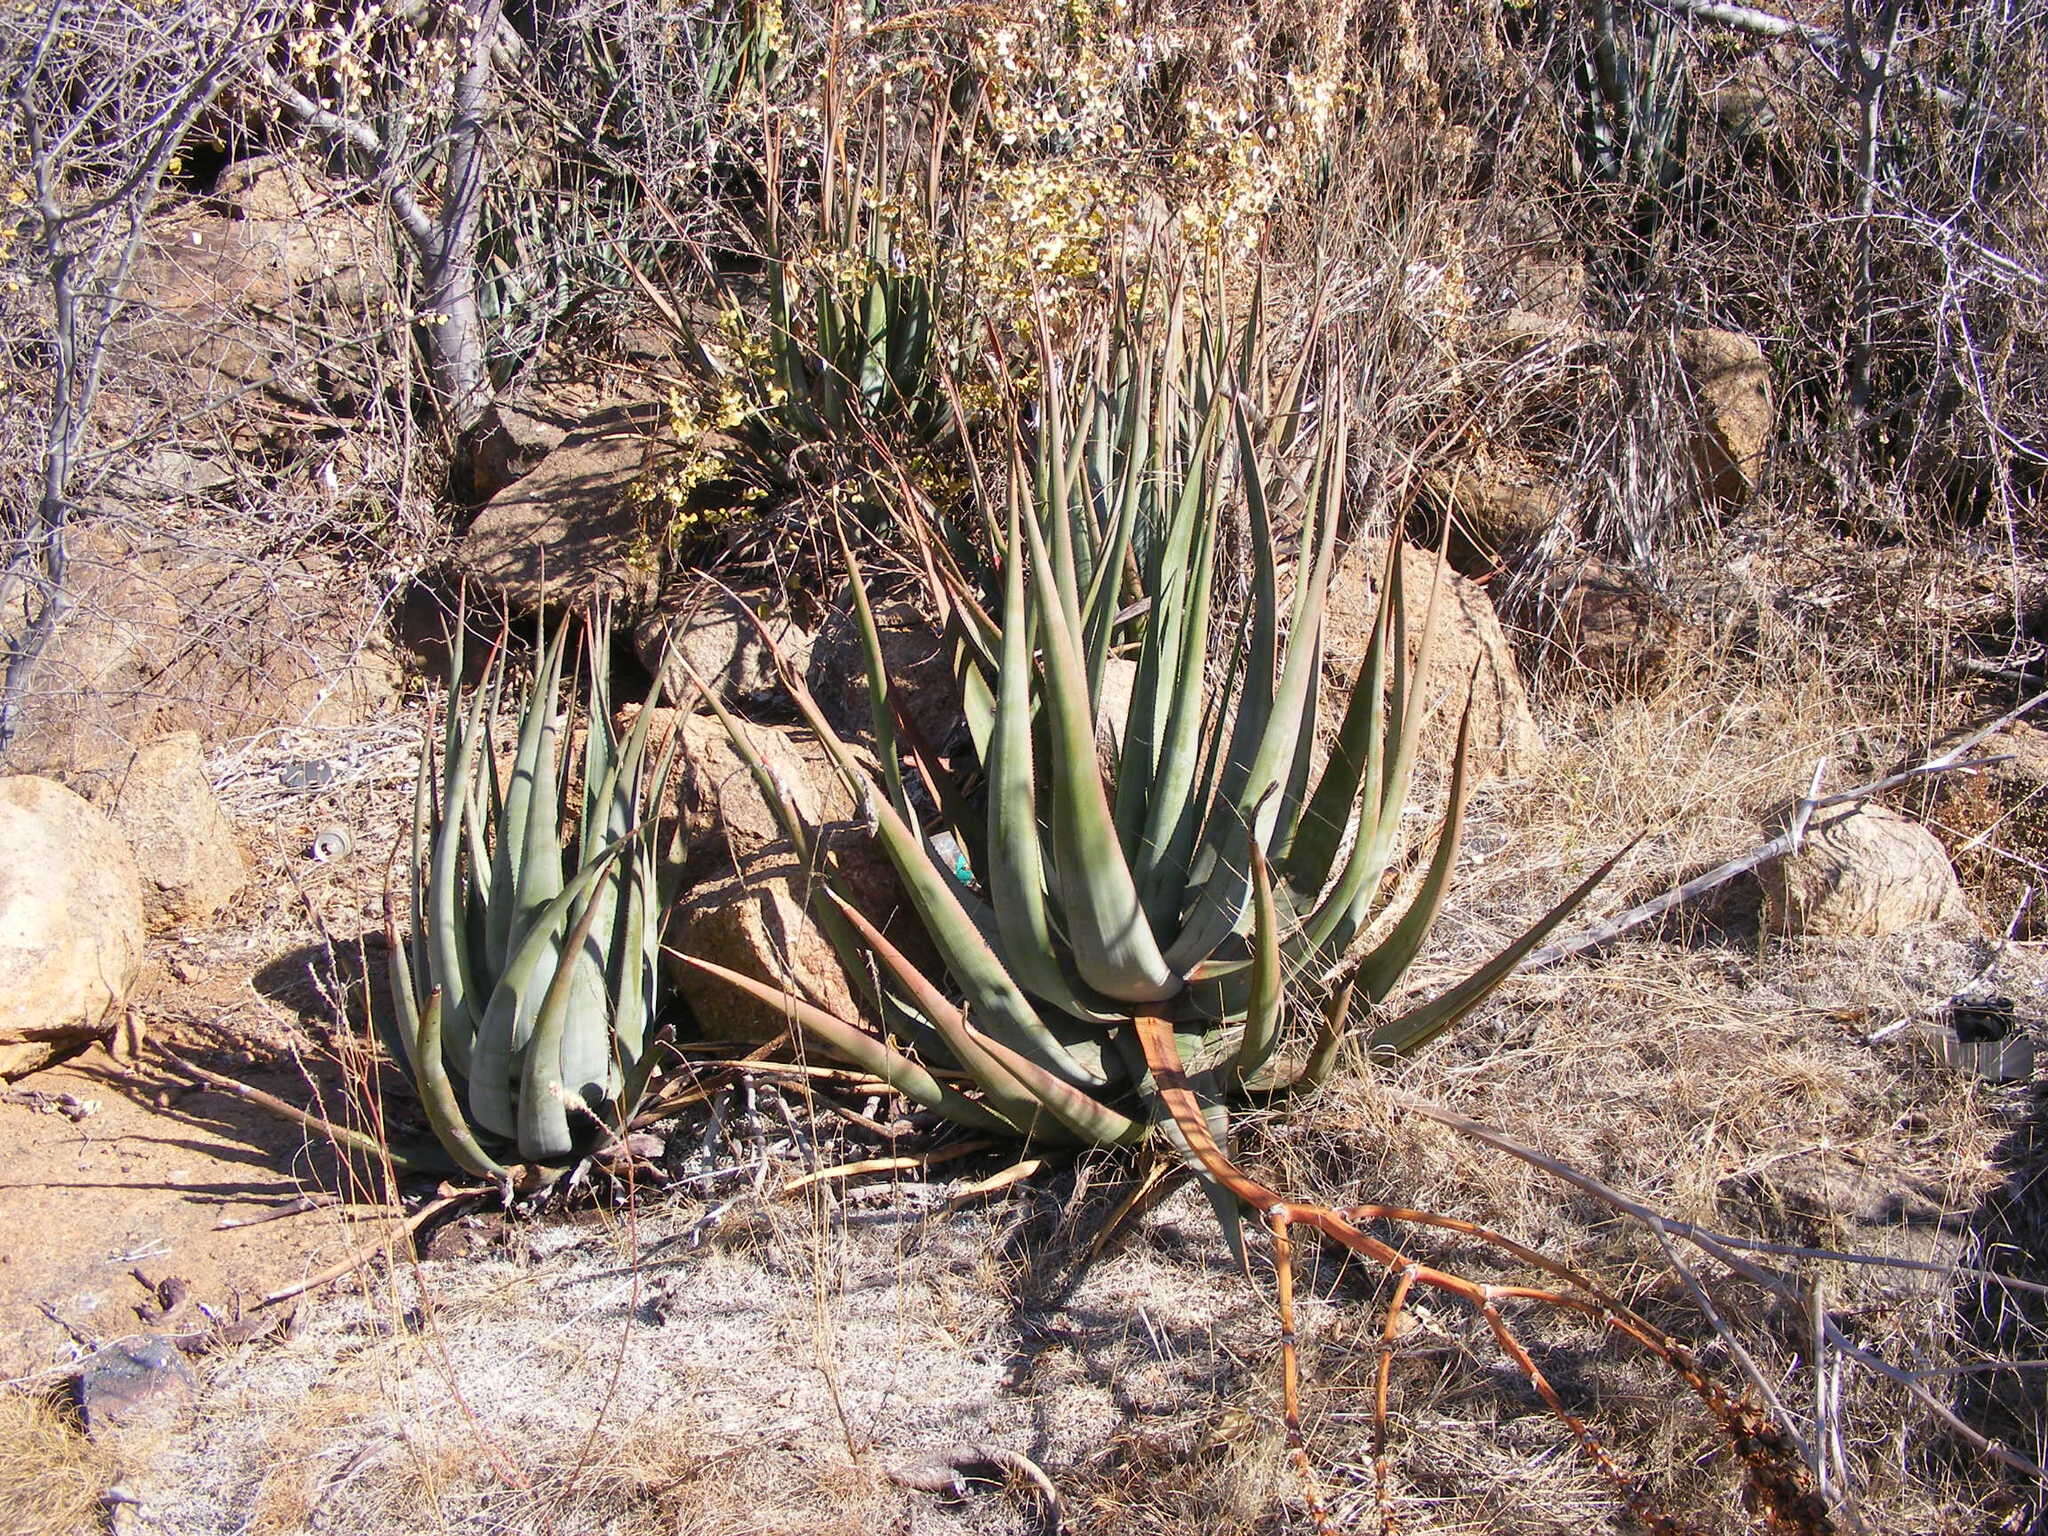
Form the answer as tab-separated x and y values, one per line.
864	293
1133	940
1205	874
526	984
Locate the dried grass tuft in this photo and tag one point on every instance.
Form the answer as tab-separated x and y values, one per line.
52	1479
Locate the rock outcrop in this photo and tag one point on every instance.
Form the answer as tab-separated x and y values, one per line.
566	531
1731	385
746	897
1497	510
713	630
1470	649
165	635
71	930
185	848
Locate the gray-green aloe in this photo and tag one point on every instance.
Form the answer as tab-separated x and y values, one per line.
1201	870
527	981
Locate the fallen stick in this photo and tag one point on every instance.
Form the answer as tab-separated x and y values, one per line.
885	1165
298	1207
995	1183
944	1473
342	1135
362	1256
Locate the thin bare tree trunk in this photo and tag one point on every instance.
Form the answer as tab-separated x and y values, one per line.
445	242
1866	64
457	346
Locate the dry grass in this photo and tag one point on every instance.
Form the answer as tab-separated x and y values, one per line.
51	1477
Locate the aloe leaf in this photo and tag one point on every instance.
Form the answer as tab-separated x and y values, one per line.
874	344
629	976
545	1082
1228	1209
540	864
1132	416
437	1098
1113	945
972	961
509	857
1022	1091
401	1030
1416	1028
884	720
1262	1009
1058	513
1323	1050
1190	1114
1253	760
1324	504
601	766
1016	873
505	1032
1389	960
1352	773
1158	791
852	1044
585	1056
1344	910
448	946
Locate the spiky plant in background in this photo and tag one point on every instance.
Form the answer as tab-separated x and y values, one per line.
864	284
526	985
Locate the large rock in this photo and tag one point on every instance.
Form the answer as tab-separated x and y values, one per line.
91	689
1861	871
747	890
185	847
267	188
221	299
760	927
1470	648
712	629
567	532
1731	385
1607	622
517	432
70	924
917	659
1498	509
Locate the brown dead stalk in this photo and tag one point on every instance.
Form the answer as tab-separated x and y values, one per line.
1780	1486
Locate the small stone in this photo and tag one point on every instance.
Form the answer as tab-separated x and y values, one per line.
1861	871
143	1379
